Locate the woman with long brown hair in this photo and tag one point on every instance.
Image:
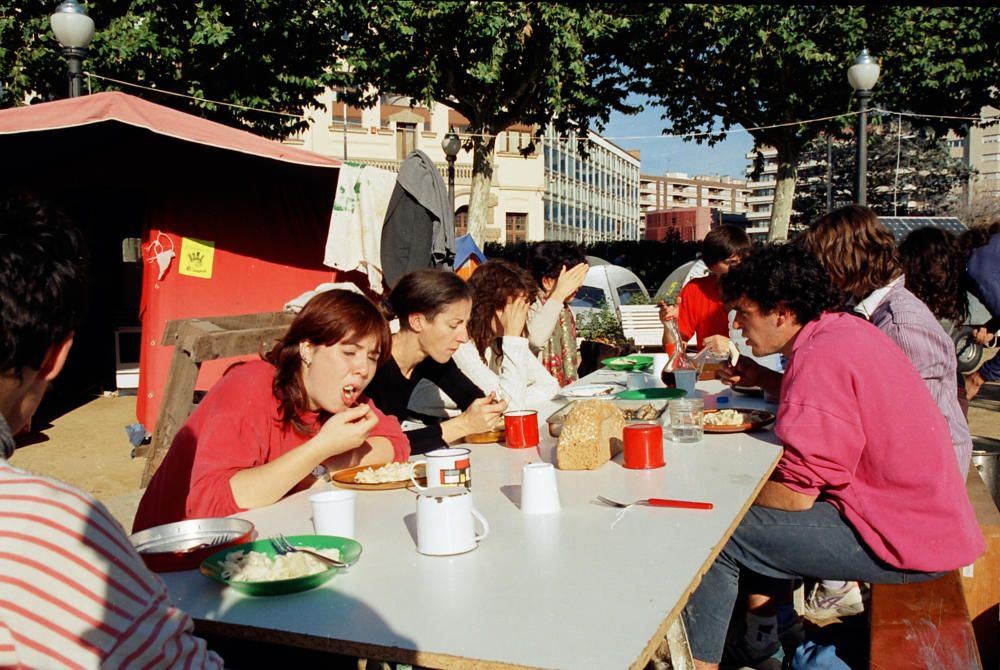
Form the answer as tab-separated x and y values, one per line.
272	427
499	357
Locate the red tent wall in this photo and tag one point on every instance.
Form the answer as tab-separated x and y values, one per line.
268	249
123	167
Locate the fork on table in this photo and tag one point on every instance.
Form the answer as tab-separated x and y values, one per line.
283	546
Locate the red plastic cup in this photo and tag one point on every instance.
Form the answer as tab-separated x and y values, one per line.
522	428
643	446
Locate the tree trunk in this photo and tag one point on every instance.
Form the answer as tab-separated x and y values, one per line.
784	191
482	179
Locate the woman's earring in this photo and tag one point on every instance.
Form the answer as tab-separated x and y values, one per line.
307	362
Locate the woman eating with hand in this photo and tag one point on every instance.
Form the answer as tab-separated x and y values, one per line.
272	427
433	309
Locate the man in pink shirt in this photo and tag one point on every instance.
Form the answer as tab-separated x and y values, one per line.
868	487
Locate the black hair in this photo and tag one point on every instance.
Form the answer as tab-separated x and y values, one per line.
43	281
547	259
426	292
722	242
783	274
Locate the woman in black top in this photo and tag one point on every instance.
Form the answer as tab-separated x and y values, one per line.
433	309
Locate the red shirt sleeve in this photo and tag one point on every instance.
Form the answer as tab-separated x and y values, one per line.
389	428
686	313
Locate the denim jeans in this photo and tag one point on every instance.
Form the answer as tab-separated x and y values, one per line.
817	543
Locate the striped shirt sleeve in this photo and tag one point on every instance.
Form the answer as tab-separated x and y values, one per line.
73	591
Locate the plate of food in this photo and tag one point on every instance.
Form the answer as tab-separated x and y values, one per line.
628	363
590	391
380	477
634	411
255	568
489	437
736	420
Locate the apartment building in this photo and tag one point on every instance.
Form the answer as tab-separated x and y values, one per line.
675	190
552	191
980	149
590	195
760	198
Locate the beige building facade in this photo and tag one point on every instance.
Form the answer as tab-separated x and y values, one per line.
383	135
980	149
555	191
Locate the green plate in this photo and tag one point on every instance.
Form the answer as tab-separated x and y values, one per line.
633	362
350	552
651	394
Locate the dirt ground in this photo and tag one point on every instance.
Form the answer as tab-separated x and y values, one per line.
88	447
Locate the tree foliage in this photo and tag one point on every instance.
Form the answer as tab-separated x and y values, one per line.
929	182
768	67
497	63
266	54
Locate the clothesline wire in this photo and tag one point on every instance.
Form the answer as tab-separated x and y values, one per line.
617	138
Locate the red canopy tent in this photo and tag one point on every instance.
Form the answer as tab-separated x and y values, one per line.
246	218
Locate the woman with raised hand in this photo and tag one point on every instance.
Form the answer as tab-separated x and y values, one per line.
274	426
559	269
433	308
499	358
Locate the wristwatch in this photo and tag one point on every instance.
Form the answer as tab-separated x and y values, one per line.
320	472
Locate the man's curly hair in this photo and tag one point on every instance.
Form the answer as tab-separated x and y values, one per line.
783	274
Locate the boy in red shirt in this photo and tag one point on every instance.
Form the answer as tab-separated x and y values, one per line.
699	309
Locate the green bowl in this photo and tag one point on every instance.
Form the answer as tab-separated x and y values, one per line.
655	393
350	552
630	363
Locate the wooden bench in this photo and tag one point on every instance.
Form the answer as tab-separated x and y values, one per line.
952	622
923	625
196	341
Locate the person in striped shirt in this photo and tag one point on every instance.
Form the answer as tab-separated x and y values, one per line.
73	591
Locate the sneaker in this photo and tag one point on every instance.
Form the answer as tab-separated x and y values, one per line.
824	603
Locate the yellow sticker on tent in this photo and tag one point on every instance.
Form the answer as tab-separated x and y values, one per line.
196	257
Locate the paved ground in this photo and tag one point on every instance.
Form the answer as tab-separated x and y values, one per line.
88	447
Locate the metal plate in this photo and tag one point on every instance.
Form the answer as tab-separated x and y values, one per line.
183	545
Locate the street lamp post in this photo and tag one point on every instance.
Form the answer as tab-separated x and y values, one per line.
451	145
74	30
862	76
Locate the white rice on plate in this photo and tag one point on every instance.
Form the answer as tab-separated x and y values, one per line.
390	472
255	566
726	417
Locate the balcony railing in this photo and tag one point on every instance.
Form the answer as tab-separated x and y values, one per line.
463	173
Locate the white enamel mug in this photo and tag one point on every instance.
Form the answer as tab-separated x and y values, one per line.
446	467
446	521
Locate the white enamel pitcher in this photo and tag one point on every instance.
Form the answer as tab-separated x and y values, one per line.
446	521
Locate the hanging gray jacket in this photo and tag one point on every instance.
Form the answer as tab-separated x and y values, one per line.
419	227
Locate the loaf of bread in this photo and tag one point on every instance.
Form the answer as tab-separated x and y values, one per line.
591	435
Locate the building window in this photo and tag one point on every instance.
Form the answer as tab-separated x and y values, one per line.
406	139
517	227
462	220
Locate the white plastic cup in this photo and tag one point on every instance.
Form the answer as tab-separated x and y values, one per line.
333	512
659	362
686	380
539	492
638	380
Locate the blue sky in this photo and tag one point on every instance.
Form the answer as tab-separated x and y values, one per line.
667	154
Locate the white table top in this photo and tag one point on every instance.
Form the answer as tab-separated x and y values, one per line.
587	587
